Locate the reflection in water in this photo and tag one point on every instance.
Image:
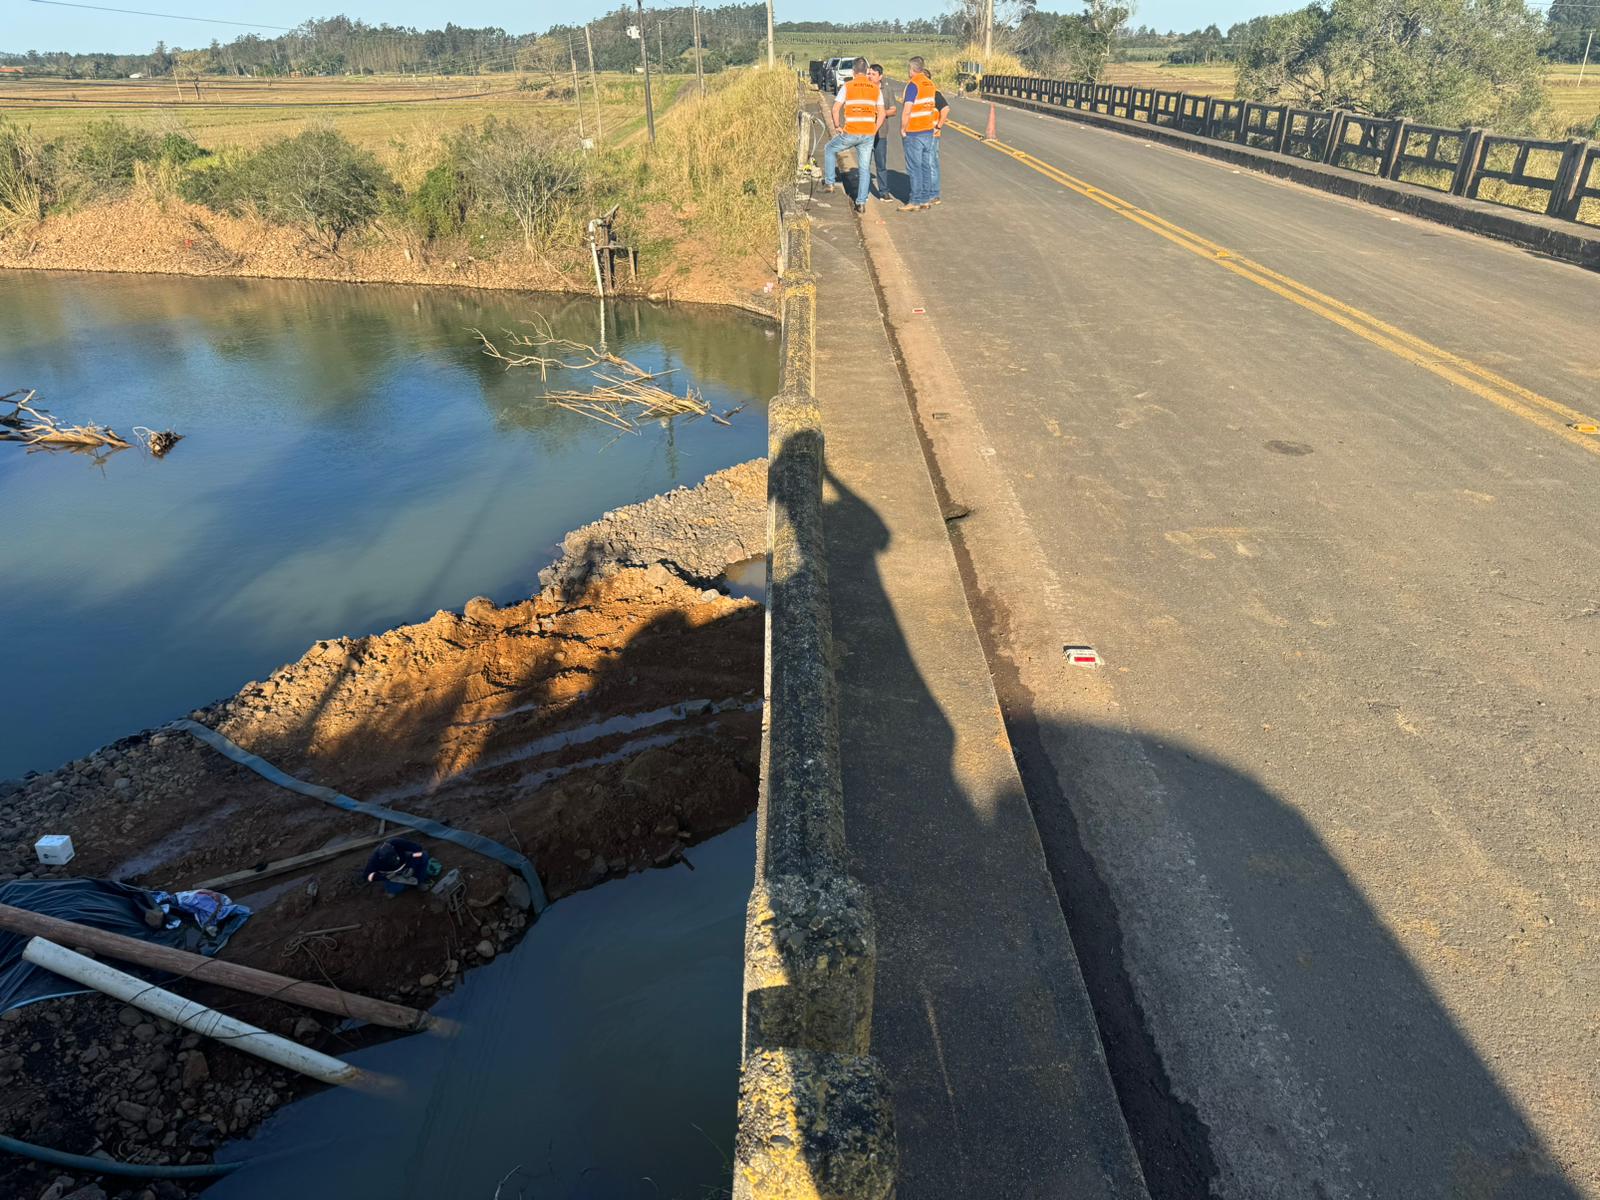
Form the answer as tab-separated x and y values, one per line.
601	1058
352	462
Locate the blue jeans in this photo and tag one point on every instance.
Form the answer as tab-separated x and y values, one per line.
861	143
880	163
922	165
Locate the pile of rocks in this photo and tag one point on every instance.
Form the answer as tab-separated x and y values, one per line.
92	1077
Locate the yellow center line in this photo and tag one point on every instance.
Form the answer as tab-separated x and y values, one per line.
1462	372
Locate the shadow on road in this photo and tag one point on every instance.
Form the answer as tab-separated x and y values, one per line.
1399	1101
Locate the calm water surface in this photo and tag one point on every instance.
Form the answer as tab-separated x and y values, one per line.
351	462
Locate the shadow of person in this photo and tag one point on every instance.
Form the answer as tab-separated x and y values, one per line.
1307	1057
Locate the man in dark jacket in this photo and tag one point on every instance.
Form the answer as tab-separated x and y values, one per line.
400	864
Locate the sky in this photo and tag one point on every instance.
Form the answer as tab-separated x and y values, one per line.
25	25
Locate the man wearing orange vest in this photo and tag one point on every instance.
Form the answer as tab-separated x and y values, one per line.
857	114
918	121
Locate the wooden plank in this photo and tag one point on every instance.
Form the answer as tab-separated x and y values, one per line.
310	859
211	970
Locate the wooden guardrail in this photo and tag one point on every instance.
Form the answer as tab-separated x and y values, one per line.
1558	178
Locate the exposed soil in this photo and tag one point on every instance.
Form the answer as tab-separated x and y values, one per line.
602	727
168	236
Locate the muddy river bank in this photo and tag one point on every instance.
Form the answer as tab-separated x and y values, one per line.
603	727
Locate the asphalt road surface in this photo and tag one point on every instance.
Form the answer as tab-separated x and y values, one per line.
1305	474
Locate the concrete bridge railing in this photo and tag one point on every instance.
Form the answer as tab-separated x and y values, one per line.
1558	179
814	1113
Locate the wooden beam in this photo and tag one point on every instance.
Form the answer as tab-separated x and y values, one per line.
211	970
310	859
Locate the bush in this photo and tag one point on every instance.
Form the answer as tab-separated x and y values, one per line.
442	202
178	150
108	151
521	172
316	180
28	175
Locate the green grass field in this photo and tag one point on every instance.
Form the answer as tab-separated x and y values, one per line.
891	50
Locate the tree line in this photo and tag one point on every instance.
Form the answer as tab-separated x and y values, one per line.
730	35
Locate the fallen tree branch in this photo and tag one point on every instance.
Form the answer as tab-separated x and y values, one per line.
621	398
36	427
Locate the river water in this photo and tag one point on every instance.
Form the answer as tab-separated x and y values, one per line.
599	1060
351	462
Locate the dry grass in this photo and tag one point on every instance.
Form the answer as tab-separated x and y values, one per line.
724	155
1575	106
943	66
398	119
1198	80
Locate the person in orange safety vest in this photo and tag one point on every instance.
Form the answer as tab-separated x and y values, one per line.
918	121
858	115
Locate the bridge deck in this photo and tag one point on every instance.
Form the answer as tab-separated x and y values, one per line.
1307	475
980	1016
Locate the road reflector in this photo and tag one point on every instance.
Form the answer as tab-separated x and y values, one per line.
1082	656
918	311
1586	427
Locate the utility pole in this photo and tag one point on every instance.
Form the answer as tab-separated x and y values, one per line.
988	29
1589	45
594	81
644	57
577	91
772	54
661	52
699	68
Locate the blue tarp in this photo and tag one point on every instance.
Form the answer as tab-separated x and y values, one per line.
102	904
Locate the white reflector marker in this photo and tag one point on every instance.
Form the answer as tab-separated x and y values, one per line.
1082	656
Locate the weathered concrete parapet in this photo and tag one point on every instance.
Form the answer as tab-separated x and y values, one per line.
808	964
814	1113
813	1127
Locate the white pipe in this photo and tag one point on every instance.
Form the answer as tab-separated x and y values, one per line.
194	1017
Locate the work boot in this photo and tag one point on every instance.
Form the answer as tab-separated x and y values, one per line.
912	207
830	188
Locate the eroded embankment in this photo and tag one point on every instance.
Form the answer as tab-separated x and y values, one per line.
163	235
600	727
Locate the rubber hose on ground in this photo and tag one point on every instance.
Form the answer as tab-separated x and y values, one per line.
105	1166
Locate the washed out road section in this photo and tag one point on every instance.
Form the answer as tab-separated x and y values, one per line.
1320	822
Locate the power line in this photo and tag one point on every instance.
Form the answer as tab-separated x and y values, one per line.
135	12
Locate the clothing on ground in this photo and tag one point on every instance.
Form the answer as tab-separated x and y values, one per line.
99	904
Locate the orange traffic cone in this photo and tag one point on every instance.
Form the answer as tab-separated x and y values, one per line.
989	133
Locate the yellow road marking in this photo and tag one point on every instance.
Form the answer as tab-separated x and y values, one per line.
1462	372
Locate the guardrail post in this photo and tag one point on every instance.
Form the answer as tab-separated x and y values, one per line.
1590	152
1564	195
1399	131
1336	121
1279	142
1242	125
1471	160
